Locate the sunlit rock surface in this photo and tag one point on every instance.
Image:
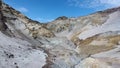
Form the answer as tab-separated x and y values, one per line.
85	42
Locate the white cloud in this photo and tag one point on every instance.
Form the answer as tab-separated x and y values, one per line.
94	3
43	19
22	9
111	2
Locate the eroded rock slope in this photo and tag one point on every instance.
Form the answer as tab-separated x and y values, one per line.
85	42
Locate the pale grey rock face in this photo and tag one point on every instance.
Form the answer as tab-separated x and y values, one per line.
86	42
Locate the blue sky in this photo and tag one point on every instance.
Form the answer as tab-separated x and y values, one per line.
47	10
